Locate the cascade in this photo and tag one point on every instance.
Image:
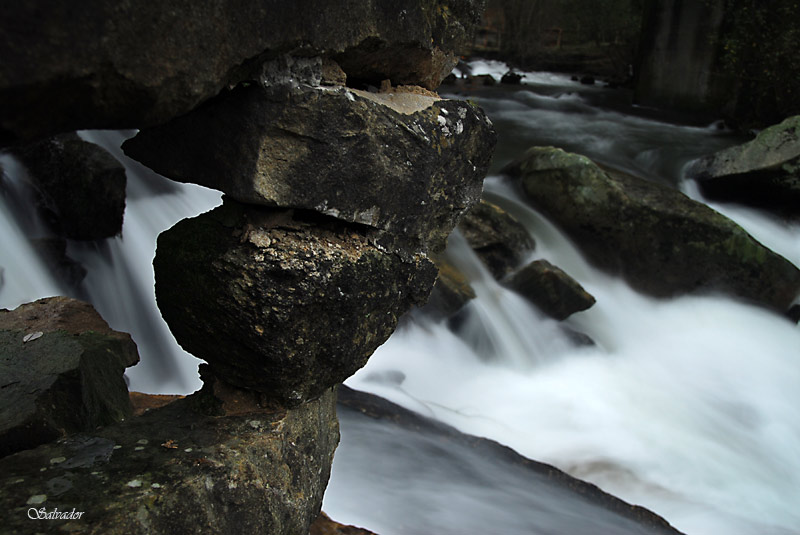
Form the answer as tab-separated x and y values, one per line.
686	406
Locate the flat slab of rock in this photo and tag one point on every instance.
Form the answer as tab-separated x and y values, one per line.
499	240
662	242
210	463
344	153
549	288
764	172
451	292
139	63
82	187
61	371
282	302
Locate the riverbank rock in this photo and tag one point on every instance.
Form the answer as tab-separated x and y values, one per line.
61	372
659	240
764	172
214	462
111	65
405	163
285	303
499	240
81	186
549	288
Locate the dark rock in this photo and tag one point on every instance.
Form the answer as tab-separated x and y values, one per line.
450	79
406	163
554	292
512	78
139	63
587	80
451	291
81	184
659	240
445	451
215	462
498	239
482	79
323	525
54	253
61	368
279	303
794	313
764	172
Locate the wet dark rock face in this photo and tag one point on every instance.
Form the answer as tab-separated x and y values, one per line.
659	240
549	288
61	372
81	186
404	163
499	240
214	462
140	63
764	172
280	305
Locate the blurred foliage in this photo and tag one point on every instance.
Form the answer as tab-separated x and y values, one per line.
759	48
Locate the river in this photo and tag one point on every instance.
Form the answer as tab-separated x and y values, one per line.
689	407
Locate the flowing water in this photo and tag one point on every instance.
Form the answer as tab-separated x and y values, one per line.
689	406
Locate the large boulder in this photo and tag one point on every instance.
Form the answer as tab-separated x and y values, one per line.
499	240
763	172
138	63
215	462
62	372
285	303
550	289
662	242
406	163
82	187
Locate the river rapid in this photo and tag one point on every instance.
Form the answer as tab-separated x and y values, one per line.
689	407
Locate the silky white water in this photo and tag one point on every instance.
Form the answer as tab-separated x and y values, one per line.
690	407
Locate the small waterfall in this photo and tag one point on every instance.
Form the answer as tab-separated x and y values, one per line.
119	281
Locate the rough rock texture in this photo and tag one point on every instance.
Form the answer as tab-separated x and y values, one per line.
582	507
279	304
763	172
451	291
659	240
498	239
345	153
82	187
214	462
325	526
61	372
549	288
138	63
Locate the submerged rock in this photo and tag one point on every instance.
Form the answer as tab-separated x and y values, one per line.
82	186
283	302
549	288
139	63
215	462
431	451
499	240
61	368
405	163
764	172
659	240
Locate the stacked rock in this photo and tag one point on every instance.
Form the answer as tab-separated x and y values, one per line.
335	194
